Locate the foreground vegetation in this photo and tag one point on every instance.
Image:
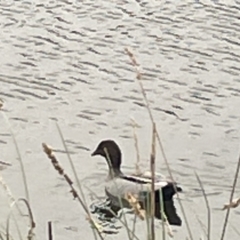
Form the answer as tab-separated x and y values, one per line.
77	192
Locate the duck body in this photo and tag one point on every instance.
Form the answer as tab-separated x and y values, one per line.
119	185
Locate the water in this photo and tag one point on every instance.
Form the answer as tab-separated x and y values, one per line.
65	61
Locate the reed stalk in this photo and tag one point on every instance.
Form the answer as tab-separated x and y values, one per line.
139	80
19	157
152	167
50	231
75	194
207	206
231	198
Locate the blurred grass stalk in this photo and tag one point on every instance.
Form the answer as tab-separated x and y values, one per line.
7	232
207	206
231	199
151	205
134	125
30	234
8	191
162	214
14	202
82	200
131	234
60	170
50	231
19	158
133	202
139	80
152	168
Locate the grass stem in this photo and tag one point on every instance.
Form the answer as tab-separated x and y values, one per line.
139	78
19	158
230	200
207	205
152	167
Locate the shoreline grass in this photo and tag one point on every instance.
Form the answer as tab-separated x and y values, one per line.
233	203
139	80
96	228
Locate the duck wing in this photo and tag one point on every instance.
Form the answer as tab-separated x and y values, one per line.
168	188
148	175
139	187
158	177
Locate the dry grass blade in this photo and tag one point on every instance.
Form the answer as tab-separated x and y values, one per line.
48	150
133	201
163	216
164	219
139	77
1	237
169	229
30	235
231	199
138	170
111	176
152	167
8	227
20	159
50	233
9	194
71	164
235	203
134	225
207	205
116	216
111	172
94	224
134	124
7	190
83	200
202	225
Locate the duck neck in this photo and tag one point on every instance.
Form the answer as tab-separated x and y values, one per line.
114	172
114	167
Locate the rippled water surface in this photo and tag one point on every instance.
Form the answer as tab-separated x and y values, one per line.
64	60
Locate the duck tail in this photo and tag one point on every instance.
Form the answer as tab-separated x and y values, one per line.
170	212
179	189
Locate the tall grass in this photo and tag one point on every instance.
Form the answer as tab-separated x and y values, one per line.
74	192
78	193
97	228
231	199
207	205
139	80
152	168
19	158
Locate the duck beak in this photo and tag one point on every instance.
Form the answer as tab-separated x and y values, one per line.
94	153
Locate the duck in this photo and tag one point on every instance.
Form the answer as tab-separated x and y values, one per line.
119	184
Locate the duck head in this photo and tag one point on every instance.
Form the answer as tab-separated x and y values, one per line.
112	153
